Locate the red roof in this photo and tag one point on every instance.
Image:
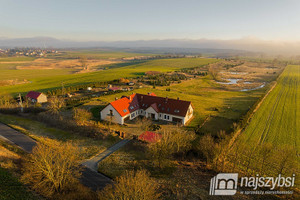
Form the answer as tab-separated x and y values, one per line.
150	137
127	105
33	94
114	88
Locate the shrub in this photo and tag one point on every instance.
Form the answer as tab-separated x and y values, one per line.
81	115
132	185
52	168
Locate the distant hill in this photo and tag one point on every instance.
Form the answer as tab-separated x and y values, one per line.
245	44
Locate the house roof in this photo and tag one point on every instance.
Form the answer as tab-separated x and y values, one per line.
150	137
127	105
114	88
33	94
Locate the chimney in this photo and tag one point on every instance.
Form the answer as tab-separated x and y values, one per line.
148	93
142	97
116	98
177	98
130	97
166	100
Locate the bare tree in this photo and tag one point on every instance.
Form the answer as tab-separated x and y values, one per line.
83	62
52	168
56	103
81	115
214	71
207	147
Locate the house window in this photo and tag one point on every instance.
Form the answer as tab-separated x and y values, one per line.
125	110
131	107
165	116
159	115
132	115
111	113
168	117
177	111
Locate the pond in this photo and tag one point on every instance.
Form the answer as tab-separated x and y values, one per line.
231	81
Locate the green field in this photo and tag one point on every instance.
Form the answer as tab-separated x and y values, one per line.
277	119
97	54
44	80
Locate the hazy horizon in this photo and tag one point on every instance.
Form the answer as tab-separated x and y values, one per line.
117	20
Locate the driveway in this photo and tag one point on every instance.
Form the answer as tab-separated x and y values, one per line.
89	178
92	163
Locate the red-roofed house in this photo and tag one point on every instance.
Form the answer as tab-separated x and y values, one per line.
150	137
150	106
36	97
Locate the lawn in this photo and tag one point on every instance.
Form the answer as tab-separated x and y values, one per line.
44	80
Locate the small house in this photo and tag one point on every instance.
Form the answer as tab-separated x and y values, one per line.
114	89
36	97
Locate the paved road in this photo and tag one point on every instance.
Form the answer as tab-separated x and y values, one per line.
21	140
91	179
92	163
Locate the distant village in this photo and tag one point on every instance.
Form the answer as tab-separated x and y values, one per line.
32	52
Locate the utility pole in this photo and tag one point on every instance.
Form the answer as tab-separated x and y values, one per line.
21	103
62	89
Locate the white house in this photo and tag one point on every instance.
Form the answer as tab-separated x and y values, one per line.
150	106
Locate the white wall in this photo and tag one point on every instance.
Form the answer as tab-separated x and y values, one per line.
189	114
150	110
105	115
42	98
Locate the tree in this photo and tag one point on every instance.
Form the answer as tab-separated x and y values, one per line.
6	101
173	141
132	185
52	168
207	147
161	150
81	115
83	62
214	72
55	104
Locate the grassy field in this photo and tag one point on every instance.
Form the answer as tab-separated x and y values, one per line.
11	188
44	80
37	130
277	120
97	54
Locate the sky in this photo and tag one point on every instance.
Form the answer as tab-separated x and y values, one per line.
114	20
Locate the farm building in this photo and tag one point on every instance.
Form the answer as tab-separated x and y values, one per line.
150	106
114	89
36	97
